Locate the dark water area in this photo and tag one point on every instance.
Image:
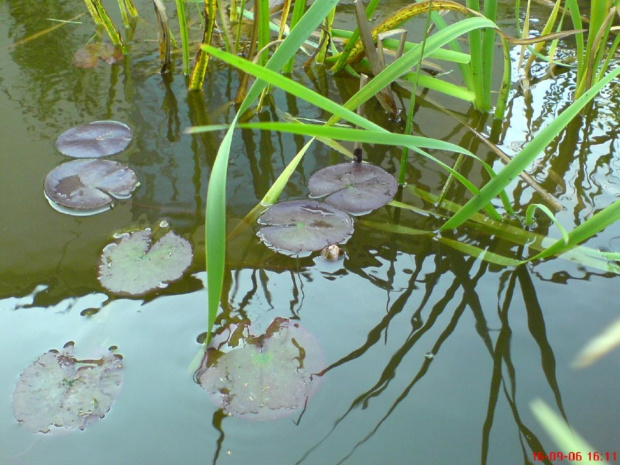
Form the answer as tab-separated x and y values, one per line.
432	356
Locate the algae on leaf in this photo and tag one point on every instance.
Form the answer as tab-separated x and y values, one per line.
262	377
58	392
133	267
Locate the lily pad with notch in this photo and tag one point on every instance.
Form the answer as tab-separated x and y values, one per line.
89	55
88	187
262	377
134	266
94	140
60	393
302	226
357	188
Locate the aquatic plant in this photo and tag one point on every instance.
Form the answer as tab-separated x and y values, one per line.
301	226
95	140
593	54
363	49
133	265
356	188
89	186
90	55
61	393
482	198
262	377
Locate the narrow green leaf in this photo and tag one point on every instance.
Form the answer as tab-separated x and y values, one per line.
477	252
584	231
403	65
565	438
215	215
184	35
529	218
524	158
444	87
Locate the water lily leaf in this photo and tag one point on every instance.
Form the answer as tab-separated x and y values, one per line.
94	140
86	187
262	377
357	188
133	267
89	55
304	226
58	392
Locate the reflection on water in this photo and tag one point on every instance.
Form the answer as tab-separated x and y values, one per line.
432	356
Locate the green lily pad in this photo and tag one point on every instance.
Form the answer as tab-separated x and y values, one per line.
133	267
357	188
94	140
262	377
301	226
87	187
58	392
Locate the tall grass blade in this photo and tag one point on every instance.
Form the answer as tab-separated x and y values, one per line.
101	17
584	231
199	71
488	52
582	255
561	433
343	58
525	157
272	195
599	346
215	215
261	21
298	11
36	35
184	35
529	218
163	34
403	65
475	50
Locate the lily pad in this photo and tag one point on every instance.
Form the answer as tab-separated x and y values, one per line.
58	392
262	377
87	187
304	226
357	188
89	55
133	267
94	140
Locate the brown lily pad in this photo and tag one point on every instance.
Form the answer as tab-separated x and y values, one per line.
89	55
262	377
357	188
94	140
59	392
87	187
300	226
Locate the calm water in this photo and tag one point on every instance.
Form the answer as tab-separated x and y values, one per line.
433	356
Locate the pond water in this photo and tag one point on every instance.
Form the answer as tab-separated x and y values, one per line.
432	356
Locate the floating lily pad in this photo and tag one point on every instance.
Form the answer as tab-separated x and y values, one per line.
89	55
94	140
87	187
357	188
262	377
133	267
304	226
59	392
